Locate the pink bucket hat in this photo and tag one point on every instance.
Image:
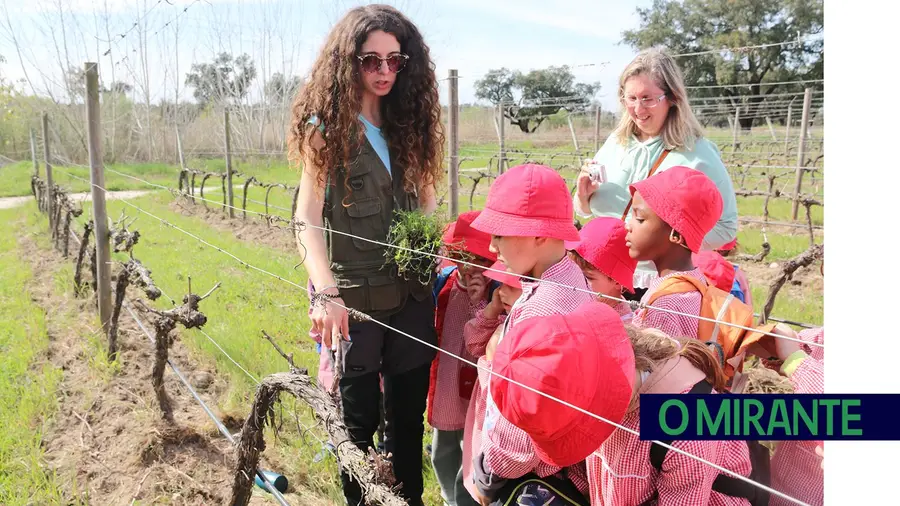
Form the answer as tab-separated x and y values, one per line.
602	244
529	201
686	199
583	358
459	235
505	277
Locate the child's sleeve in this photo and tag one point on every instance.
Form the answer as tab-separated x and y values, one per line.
478	332
806	374
683	480
675	325
507	449
507	453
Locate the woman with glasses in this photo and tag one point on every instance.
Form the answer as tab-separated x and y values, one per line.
657	131
366	128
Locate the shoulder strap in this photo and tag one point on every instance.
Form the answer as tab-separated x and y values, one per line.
760	473
659	161
658	452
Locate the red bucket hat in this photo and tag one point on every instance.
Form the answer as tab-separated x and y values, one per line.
602	244
686	199
584	358
505	277
529	201
460	235
718	271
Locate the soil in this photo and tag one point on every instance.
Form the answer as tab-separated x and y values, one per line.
108	437
252	229
806	281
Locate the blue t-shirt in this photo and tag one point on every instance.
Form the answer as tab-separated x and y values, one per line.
373	134
378	142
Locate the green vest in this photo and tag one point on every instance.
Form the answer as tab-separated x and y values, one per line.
364	207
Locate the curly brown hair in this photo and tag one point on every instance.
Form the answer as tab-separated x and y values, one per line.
332	93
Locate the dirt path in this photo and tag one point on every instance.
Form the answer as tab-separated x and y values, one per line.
10	202
108	438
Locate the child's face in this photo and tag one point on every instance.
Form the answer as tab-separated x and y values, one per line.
648	235
603	284
467	271
508	296
518	253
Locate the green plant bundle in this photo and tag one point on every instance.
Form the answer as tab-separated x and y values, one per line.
415	233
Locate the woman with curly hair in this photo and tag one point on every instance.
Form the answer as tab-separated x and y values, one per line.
366	128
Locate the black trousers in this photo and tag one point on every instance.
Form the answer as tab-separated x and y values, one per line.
405	366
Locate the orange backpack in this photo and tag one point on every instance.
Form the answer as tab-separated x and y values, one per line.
723	307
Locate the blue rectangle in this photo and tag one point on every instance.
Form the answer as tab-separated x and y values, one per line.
782	417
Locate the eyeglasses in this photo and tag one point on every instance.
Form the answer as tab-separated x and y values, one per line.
371	63
647	103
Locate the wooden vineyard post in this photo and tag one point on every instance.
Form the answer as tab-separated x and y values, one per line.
801	152
47	167
98	201
34	158
501	163
453	79
228	170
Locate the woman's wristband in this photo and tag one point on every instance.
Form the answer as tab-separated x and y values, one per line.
327	287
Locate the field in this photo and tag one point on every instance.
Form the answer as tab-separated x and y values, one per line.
52	345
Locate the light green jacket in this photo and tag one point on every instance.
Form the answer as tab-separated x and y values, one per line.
628	164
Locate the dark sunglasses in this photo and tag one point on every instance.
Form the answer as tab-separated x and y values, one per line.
372	62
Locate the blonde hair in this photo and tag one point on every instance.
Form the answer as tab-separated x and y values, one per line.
653	347
681	128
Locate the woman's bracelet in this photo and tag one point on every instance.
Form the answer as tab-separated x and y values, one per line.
329	287
321	299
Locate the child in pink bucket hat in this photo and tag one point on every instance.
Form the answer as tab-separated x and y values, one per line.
529	216
603	257
551	355
460	290
671	214
481	341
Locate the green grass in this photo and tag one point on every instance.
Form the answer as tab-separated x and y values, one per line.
15	179
808	309
783	246
779	210
27	381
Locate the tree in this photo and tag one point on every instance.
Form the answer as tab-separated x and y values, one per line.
226	78
541	93
75	83
690	26
280	90
118	88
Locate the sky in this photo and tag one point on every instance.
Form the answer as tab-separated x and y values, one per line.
472	36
